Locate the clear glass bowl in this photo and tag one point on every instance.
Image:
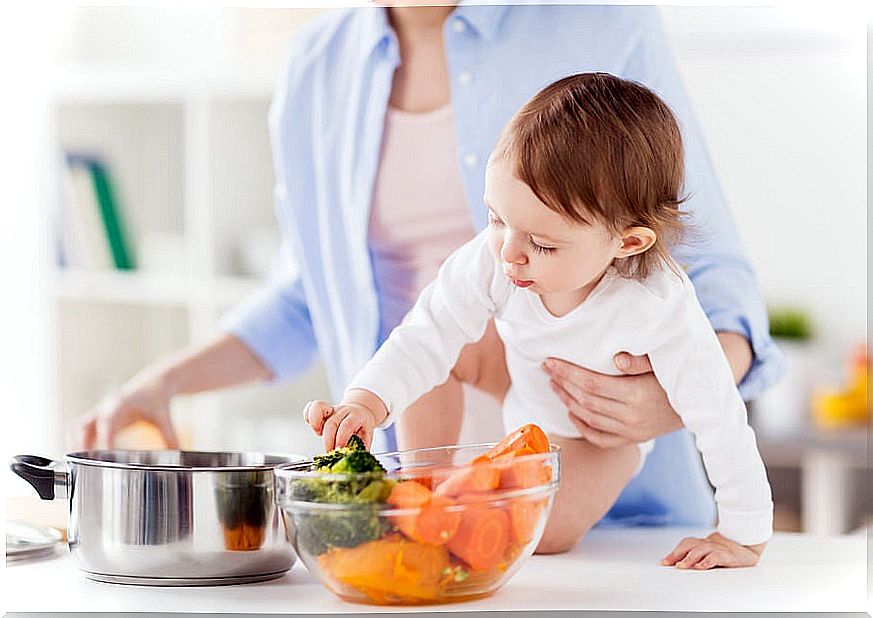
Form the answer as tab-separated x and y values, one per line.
420	544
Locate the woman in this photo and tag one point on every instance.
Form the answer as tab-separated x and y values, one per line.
380	128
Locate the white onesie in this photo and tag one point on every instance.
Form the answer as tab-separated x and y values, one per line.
659	316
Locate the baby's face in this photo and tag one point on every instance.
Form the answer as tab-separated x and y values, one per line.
540	250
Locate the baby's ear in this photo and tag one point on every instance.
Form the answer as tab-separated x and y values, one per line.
636	240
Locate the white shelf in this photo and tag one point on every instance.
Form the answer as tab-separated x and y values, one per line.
150	289
115	83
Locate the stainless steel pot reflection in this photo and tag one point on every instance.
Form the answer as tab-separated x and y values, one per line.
168	517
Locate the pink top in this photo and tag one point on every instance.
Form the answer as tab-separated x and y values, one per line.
419	214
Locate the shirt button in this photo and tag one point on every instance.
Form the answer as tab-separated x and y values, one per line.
471	160
458	25
465	78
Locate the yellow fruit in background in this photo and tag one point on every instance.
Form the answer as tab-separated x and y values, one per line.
833	409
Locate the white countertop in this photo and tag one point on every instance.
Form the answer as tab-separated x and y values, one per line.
612	569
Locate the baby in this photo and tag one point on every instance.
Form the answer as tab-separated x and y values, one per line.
583	194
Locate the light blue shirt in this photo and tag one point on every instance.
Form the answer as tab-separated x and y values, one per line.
326	125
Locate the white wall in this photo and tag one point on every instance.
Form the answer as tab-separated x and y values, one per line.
782	99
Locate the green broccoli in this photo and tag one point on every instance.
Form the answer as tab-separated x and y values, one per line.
317	531
328	460
357	462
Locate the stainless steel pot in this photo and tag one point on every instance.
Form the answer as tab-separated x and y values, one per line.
168	518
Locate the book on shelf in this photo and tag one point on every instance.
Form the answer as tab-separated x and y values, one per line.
92	233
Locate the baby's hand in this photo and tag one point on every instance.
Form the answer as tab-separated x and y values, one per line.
358	414
713	551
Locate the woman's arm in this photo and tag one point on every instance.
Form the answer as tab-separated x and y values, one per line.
223	362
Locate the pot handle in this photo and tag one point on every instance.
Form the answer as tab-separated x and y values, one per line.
48	477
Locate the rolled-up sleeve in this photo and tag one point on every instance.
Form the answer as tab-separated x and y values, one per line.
712	252
733	304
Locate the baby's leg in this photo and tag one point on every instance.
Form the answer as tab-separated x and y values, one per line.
591	480
435	418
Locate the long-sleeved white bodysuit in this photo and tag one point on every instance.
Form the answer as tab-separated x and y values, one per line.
659	316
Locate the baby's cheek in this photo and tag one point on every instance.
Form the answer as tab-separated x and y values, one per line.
495	243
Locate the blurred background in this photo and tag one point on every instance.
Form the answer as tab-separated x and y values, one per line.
154	215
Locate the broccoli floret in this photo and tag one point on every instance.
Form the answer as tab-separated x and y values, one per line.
328	460
318	531
357	462
356	444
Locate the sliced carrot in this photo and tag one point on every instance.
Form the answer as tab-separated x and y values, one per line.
432	523
524	516
435	525
409	495
482	537
522	472
388	570
476	478
530	436
425	475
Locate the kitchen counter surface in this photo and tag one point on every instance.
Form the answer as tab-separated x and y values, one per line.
612	569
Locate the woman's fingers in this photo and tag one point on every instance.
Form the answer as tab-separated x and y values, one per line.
596	437
631	365
565	373
85	436
597	412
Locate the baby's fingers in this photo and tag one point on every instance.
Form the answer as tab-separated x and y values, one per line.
680	551
714	559
695	555
729	558
316	413
349	426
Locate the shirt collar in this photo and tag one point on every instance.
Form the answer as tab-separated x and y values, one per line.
483	18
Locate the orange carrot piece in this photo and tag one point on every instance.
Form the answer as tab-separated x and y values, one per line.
482	537
524	515
476	478
388	570
523	472
409	494
433	523
530	436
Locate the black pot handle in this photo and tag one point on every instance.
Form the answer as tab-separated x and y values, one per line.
44	474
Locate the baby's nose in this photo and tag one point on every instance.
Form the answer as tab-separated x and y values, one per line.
513	255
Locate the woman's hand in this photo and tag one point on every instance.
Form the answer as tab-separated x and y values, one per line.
713	551
617	410
144	398
358	414
614	411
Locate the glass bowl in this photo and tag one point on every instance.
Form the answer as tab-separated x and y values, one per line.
433	529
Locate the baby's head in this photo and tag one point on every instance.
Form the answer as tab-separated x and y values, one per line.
586	175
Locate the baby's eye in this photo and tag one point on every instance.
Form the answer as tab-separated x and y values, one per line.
494	219
538	248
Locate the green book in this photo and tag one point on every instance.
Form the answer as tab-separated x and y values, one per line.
112	224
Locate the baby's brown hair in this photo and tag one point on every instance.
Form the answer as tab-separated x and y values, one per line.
594	145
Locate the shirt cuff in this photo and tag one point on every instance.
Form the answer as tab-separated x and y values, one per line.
768	363
732	302
277	329
746	527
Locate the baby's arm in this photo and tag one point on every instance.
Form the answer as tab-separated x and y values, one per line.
451	311
692	368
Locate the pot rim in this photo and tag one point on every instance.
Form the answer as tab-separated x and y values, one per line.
86	458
